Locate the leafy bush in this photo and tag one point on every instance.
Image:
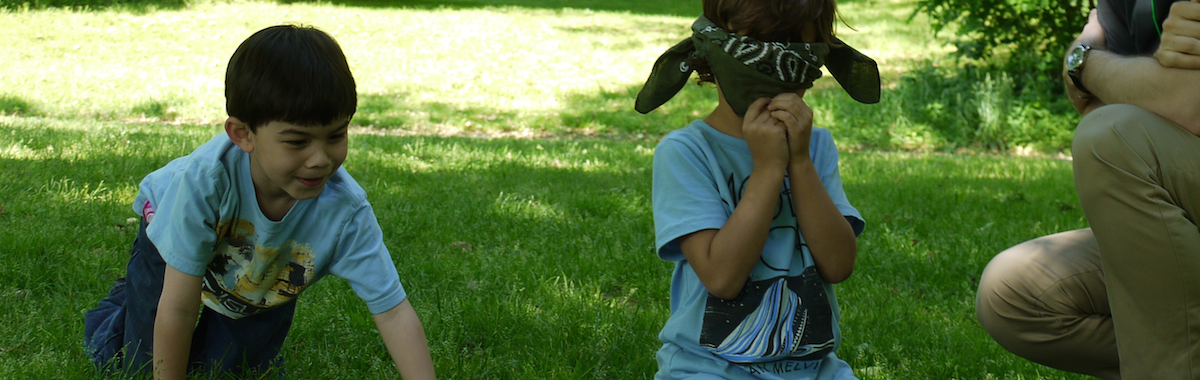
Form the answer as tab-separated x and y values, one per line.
939	108
984	108
986	29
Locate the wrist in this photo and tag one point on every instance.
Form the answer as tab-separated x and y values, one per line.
800	159
801	168
766	167
1075	63
769	173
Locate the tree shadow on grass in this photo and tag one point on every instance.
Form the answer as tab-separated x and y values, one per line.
64	234
507	253
933	223
507	244
12	105
977	205
543	232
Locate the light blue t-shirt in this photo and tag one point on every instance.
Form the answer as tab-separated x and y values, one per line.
784	324
205	221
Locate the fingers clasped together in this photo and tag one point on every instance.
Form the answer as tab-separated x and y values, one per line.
778	129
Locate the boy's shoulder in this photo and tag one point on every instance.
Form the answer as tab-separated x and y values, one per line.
693	133
213	161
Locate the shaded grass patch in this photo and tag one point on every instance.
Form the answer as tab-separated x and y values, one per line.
11	105
525	258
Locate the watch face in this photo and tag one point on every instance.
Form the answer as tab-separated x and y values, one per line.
1075	59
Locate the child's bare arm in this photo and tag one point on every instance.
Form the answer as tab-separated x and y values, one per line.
174	323
723	259
829	236
404	338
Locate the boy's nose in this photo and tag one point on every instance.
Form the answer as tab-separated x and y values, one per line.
320	158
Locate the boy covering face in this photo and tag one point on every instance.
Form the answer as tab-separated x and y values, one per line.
748	202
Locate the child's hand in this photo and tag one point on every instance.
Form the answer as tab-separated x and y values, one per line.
797	117
766	136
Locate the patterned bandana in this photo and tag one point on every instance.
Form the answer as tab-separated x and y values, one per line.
747	69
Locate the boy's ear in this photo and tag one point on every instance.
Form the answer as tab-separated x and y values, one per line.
240	133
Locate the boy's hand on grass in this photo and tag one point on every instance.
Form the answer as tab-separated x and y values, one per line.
797	117
766	137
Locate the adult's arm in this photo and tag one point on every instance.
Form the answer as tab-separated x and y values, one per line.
174	323
1169	92
1172	93
404	338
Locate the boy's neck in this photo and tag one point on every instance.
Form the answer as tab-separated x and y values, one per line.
276	209
724	120
273	206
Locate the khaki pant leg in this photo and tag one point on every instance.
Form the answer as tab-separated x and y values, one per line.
1138	179
1044	300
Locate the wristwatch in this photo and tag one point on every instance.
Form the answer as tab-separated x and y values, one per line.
1075	66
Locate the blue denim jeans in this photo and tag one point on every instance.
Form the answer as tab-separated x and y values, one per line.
119	332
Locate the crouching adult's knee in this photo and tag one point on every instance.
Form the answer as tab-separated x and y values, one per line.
1006	302
1044	300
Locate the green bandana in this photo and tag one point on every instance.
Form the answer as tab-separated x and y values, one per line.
747	69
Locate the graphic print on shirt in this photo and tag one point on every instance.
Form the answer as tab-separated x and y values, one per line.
779	318
245	278
776	318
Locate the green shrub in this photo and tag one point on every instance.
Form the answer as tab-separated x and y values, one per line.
938	108
988	28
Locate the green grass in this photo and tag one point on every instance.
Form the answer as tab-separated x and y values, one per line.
558	278
497	69
489	67
511	177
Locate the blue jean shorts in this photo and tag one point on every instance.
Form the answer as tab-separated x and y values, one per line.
119	332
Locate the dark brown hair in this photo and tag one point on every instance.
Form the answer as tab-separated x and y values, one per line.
288	73
769	20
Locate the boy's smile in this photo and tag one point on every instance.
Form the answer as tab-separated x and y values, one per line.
289	162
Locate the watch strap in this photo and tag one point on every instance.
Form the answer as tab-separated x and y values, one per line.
1076	72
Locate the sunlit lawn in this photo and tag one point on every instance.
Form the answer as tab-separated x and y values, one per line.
510	175
441	70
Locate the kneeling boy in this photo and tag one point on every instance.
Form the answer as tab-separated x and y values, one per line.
248	221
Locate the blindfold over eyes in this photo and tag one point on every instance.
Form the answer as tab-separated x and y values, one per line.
747	69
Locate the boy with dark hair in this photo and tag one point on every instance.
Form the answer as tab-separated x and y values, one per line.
248	221
748	202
